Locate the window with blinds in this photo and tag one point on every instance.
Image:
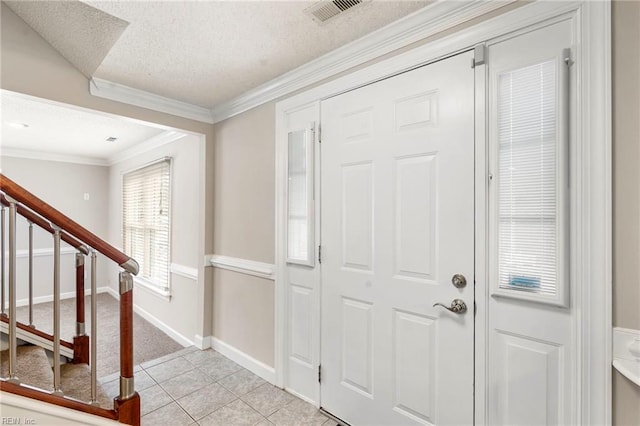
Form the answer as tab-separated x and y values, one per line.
146	221
528	200
300	227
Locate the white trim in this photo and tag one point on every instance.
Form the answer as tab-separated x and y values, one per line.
175	335
202	342
184	271
146	146
128	95
594	219
593	227
243	266
50	156
435	18
247	361
42	252
37	409
626	353
148	286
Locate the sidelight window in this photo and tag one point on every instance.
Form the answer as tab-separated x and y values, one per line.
530	181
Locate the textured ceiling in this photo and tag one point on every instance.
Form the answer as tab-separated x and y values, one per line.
61	130
82	34
199	52
206	52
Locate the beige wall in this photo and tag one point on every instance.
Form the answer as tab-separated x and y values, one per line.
243	313
626	193
66	193
30	65
244	184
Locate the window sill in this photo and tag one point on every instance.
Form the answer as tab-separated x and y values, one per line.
152	289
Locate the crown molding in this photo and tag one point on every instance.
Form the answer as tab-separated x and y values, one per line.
128	95
49	156
435	18
146	146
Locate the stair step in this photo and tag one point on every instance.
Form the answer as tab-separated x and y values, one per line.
33	367
76	383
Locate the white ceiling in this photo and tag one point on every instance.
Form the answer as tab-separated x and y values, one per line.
63	132
199	52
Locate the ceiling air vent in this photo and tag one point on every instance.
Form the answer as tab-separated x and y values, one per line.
322	11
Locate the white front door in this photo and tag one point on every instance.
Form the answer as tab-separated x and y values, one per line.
397	223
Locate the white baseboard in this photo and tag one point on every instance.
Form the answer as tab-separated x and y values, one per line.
247	361
202	342
178	337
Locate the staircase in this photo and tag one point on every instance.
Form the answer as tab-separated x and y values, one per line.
43	366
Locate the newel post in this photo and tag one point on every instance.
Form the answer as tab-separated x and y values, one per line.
127	404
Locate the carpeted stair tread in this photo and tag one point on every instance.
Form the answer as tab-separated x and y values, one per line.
75	380
33	367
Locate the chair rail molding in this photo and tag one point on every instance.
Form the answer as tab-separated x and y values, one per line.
243	266
626	353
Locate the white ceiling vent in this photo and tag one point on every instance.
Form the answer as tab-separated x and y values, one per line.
323	11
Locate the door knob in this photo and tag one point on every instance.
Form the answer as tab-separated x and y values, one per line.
457	306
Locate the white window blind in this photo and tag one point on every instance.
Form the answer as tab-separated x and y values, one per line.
146	221
528	170
300	198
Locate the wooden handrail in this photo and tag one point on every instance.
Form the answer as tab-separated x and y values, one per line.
34	218
62	401
18	193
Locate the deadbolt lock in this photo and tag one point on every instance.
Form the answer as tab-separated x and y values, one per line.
459	281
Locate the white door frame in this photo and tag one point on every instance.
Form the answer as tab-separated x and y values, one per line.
591	245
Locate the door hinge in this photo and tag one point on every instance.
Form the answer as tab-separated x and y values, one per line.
319	254
479	55
319	133
566	56
319	373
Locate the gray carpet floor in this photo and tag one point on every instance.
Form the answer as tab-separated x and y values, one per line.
148	341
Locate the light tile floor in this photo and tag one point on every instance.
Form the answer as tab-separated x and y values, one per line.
194	387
